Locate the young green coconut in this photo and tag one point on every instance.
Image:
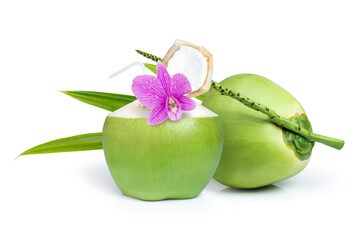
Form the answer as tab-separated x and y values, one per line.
151	157
171	160
262	144
261	149
158	144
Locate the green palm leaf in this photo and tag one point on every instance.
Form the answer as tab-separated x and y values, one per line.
151	67
202	96
107	101
84	142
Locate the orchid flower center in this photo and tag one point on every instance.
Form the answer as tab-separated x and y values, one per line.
172	105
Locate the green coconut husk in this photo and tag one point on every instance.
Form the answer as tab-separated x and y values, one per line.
172	160
263	144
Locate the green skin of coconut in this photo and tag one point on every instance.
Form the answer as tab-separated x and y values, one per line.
256	152
172	160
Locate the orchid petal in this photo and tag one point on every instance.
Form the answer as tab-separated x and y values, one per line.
186	103
158	115
148	90
164	78
180	85
175	113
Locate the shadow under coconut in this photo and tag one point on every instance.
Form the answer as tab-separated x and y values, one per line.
215	186
270	189
99	176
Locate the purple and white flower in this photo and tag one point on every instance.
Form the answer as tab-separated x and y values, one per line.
163	94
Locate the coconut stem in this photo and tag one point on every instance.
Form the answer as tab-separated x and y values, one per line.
149	56
277	119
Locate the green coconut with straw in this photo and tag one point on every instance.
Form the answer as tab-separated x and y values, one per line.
163	145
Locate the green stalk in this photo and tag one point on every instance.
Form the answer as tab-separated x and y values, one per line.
149	56
277	119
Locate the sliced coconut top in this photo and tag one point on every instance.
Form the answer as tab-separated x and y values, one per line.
136	110
194	62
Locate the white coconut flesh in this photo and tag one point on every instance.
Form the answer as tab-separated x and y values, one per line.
194	62
136	110
191	63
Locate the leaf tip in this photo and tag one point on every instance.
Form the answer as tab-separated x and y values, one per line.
19	156
66	93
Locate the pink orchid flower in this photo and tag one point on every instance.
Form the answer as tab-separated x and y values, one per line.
163	94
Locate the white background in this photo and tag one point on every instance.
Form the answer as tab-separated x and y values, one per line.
311	48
